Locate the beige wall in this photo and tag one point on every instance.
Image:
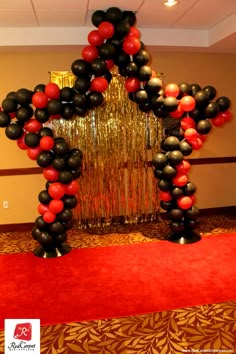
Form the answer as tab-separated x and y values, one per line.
215	183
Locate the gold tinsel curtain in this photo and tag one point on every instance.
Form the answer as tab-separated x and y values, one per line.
117	141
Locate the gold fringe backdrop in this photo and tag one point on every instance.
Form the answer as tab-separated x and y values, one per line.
117	141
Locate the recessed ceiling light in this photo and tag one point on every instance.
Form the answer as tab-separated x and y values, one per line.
170	3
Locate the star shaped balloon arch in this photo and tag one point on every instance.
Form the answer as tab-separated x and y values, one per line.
115	41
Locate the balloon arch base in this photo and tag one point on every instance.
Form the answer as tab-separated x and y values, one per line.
52	252
184	237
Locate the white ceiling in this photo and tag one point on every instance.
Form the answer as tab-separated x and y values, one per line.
193	24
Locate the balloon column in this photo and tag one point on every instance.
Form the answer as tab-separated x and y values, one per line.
115	41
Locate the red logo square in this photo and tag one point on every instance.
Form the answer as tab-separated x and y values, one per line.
23	331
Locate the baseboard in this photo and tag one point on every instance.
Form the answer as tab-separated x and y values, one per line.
25	227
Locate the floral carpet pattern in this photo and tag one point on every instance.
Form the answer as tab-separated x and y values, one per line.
210	328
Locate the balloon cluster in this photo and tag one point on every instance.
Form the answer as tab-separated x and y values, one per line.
195	112
60	164
116	41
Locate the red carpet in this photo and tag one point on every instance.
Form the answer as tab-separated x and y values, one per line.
105	282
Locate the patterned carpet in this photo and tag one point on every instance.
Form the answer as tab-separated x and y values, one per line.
209	328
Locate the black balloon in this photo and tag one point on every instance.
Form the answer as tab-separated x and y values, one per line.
5	119
164	185
122	29
35	233
23	114
166	205
159	160
24	96
59	163
141	96
74	161
82	84
201	99
80	67
142	57
211	92
203	126
189	188
44	197
40	223
42	115
176	214
224	103
107	51
96	99
66	94
61	148
14	131
177	192
131	69
158	173
194	89
169	172
171	103
54	107
175	157
68	111
70	201
185	148
170	143
65	177
56	228
45	131
153	85
192	213
129	16
32	139
45	158
45	238
9	105
81	100
212	109
65	215
184	89
61	237
39	88
113	14
98	67
144	73
176	226
122	59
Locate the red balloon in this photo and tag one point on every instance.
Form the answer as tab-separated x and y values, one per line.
71	188
99	84
227	115
131	45
42	208
56	190
52	90
183	167
184	202
172	90
40	99
165	196
203	137
49	217
218	121
95	38
187	123
187	103
180	179
56	206
51	174
106	29
178	113
89	53
34	152
46	143
110	63
21	142
33	125
190	134
132	84
134	32
196	143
